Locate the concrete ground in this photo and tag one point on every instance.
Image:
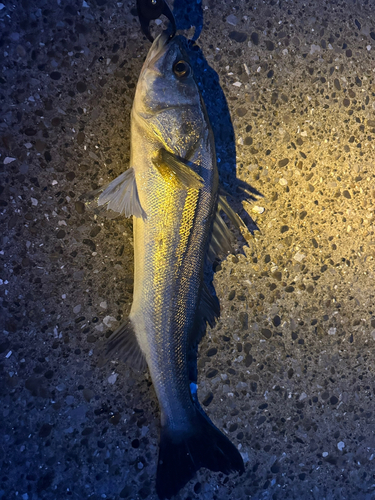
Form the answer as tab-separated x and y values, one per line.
288	371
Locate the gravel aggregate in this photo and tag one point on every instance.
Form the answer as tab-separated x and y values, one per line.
288	371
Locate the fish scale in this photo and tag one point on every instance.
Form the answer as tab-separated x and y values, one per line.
176	287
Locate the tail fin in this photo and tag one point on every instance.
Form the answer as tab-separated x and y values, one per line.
180	456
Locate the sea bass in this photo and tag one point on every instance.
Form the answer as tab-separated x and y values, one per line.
171	189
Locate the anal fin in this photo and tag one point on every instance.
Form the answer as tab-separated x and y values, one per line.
123	345
177	171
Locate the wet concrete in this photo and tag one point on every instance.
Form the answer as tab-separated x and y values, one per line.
288	370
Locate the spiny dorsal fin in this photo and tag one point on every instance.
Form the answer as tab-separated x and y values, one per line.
177	171
228	210
123	345
221	237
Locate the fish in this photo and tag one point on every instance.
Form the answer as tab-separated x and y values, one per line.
172	191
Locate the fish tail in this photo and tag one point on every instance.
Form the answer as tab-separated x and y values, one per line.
182	454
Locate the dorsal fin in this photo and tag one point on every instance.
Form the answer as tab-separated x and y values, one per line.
207	312
228	210
221	238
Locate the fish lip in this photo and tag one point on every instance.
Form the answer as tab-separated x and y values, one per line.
157	50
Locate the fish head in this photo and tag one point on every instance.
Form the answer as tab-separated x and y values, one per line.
166	78
167	98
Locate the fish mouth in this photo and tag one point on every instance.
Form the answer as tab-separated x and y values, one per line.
159	48
156	51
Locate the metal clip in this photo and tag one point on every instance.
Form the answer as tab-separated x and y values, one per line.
153	9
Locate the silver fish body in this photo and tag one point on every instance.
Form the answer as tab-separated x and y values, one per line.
171	243
173	193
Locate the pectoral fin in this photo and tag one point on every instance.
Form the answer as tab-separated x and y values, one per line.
177	171
121	195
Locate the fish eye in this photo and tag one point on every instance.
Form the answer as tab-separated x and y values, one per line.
181	69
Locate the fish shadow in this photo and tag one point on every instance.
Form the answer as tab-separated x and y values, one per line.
236	190
188	14
221	123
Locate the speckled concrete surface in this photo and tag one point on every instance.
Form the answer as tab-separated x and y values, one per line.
288	372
